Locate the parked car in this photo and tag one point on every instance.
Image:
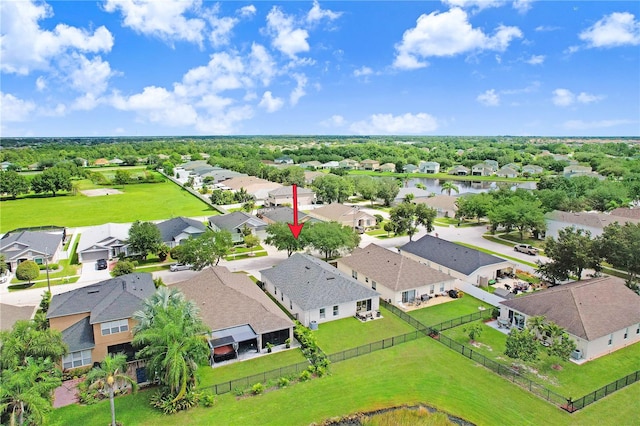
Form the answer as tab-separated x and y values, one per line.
525	248
180	267
359	229
101	264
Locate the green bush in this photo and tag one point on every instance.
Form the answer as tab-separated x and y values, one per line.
52	266
304	376
257	389
239	392
283	382
208	398
164	400
123	267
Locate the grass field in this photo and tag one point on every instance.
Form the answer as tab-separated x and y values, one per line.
432	315
421	371
139	202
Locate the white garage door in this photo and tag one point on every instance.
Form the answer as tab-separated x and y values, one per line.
92	256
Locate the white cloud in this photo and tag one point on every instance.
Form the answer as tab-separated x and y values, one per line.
565	98
163	19
535	60
25	46
522	6
298	92
601	124
13	109
546	28
489	98
41	83
363	72
533	87
261	65
221	29
89	75
334	121
247	11
317	14
474	4
285	37
617	29
448	34
379	124
270	103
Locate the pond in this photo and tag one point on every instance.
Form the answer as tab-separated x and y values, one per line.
466	186
403	415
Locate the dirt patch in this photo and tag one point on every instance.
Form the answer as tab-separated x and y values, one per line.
100	192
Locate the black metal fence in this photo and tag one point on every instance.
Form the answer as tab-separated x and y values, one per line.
405	317
445	325
602	392
375	346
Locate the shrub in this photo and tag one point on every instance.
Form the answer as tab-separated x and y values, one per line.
257	389
123	267
208	398
164	400
304	376
52	266
283	382
238	392
163	252
27	271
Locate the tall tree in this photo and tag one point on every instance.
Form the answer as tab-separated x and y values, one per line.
331	188
172	339
280	236
144	238
52	180
122	177
388	189
521	344
331	237
13	183
406	217
27	340
367	187
205	250
449	186
109	376
3	264
619	245
571	253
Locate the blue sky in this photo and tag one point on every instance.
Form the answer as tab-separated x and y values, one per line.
191	67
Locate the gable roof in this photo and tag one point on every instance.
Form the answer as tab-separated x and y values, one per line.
169	229
250	183
392	270
113	299
232	221
287	191
281	214
95	235
587	309
227	300
594	220
440	201
626	212
16	243
311	283
336	212
9	314
79	336
453	256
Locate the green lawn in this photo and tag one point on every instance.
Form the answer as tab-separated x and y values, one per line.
432	315
515	238
246	255
421	371
64	270
237	370
139	202
573	380
43	284
348	333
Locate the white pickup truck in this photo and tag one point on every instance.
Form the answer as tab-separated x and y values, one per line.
525	248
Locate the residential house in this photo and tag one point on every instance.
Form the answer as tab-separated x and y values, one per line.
369	164
397	278
5	165
444	204
388	167
281	214
532	169
626	212
418	194
174	231
594	222
429	167
409	168
257	187
331	165
283	160
116	162
241	316
284	195
101	162
464	263
576	170
38	246
309	177
345	215
96	320
507	172
349	164
236	222
481	169
103	242
492	164
601	314
183	176
311	164
459	171
514	166
10	314
315	292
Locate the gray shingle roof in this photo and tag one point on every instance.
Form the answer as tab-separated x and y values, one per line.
288	191
281	214
169	229
227	300
311	283
79	336
588	309
234	220
113	299
592	219
41	242
453	256
392	270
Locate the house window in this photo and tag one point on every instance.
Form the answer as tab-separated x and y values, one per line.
354	274
336	312
275	291
322	313
441	287
610	339
282	296
638	329
113	327
38	261
432	288
76	359
626	333
408	296
366	279
373	285
290	304
363	305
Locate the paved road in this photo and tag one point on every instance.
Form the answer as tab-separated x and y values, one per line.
469	235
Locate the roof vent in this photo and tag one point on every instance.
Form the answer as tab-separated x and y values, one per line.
93	291
307	267
331	278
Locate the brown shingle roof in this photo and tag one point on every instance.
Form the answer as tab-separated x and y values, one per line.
440	201
392	270
626	212
9	314
588	309
227	300
594	220
336	212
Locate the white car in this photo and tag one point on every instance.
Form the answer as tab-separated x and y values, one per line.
526	248
180	267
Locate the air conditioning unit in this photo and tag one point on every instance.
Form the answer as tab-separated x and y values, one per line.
577	354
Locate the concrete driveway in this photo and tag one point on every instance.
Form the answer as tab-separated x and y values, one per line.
91	273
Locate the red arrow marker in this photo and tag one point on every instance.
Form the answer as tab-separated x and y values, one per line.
295	228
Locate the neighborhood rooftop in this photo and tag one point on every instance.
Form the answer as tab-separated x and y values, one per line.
40	241
312	283
451	255
172	227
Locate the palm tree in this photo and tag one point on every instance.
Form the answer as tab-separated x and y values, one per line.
249	206
109	376
27	340
537	324
449	186
554	331
172	340
26	391
409	197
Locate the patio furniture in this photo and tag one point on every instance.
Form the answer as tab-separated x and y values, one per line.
503	323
